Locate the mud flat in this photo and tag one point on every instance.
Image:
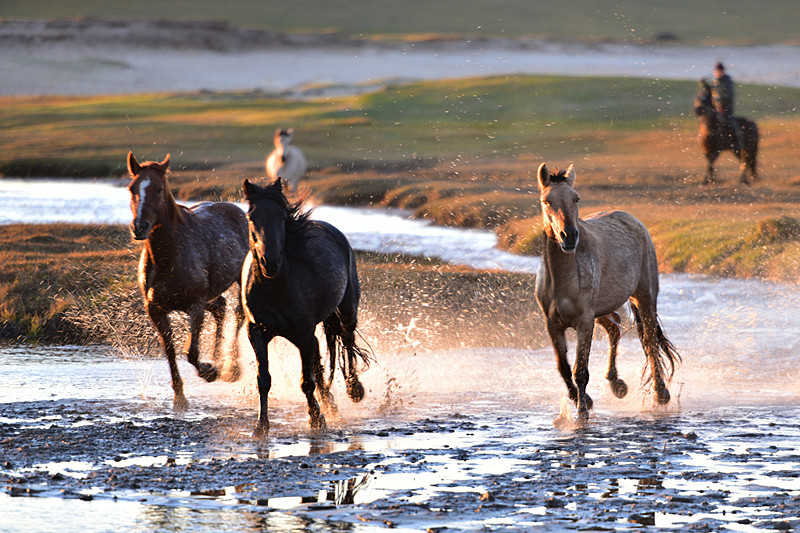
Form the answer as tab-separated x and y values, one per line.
89	439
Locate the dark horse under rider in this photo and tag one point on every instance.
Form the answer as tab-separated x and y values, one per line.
722	94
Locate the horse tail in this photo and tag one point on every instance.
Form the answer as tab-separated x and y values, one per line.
667	351
666	354
352	358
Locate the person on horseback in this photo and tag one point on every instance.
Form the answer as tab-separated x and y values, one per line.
722	93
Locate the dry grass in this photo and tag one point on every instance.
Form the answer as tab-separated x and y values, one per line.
77	284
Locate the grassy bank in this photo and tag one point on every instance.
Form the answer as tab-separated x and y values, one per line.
458	152
574	20
77	284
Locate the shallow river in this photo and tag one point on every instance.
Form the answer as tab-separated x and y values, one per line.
460	438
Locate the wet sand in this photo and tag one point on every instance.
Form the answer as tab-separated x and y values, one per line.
88	428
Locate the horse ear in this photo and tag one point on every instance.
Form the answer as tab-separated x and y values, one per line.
250	190
133	165
570	173
165	163
543	176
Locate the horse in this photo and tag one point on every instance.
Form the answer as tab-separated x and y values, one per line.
191	256
715	137
300	272
590	267
286	160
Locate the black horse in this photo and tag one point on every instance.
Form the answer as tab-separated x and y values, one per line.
300	272
715	137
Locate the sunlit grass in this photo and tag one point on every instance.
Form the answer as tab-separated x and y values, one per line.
459	120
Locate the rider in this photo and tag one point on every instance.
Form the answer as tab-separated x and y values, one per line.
722	92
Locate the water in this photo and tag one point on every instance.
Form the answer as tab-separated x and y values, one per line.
89	438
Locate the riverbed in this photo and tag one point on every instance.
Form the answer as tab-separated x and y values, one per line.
457	438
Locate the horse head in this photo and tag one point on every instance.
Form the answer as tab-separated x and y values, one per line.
267	216
703	104
283	138
150	194
559	202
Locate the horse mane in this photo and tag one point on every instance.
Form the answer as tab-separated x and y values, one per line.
297	220
558	176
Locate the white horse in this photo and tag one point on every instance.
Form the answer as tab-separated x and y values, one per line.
286	161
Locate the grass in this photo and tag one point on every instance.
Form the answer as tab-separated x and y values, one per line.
463	122
460	152
581	20
49	270
77	284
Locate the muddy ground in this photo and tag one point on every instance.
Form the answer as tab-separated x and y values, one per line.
409	459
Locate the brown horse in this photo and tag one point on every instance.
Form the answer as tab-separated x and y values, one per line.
589	269
191	256
715	137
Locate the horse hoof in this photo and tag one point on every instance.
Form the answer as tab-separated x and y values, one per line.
318	423
619	388
180	404
261	432
355	390
208	372
233	373
662	396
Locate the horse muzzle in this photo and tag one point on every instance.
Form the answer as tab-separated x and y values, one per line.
269	269
140	230
569	239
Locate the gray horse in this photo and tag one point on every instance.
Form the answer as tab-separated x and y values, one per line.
589	269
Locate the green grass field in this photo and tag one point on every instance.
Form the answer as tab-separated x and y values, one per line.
465	121
733	21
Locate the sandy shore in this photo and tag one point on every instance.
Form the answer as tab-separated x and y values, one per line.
110	57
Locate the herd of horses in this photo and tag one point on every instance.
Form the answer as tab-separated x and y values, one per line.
293	273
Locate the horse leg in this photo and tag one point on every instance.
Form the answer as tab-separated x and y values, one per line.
742	166
710	177
581	370
610	323
647	325
160	320
259	340
559	342
207	371
217	309
329	326
310	359
234	370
